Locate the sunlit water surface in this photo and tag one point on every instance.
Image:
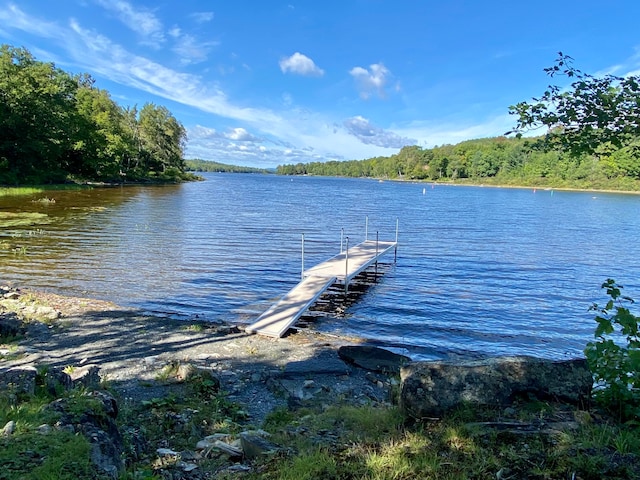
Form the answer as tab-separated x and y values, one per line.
480	271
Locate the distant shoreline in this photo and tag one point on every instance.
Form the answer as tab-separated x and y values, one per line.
520	187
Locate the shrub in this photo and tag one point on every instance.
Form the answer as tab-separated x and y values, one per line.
614	357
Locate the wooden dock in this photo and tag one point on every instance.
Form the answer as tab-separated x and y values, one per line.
315	281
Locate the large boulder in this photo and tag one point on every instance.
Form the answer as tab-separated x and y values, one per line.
430	389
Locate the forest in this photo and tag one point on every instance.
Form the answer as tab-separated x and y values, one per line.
56	127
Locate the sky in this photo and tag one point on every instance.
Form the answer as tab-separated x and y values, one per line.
266	82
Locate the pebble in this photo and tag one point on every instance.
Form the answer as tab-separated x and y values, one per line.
8	429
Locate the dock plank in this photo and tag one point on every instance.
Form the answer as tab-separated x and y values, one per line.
280	317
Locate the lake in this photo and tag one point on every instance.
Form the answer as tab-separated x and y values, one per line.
480	271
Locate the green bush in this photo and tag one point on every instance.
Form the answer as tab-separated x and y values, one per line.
614	357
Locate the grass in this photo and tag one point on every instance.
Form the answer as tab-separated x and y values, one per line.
17	191
33	453
377	443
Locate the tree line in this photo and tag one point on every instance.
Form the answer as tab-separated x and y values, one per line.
56	127
509	161
592	140
199	165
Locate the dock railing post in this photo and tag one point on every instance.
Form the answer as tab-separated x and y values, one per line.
346	268
366	228
395	250
302	271
341	239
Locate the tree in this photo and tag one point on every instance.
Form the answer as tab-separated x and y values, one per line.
592	111
163	138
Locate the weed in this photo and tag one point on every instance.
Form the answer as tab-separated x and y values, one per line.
45	200
195	327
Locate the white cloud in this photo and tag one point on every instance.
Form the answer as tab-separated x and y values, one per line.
368	133
371	81
141	21
301	65
241	135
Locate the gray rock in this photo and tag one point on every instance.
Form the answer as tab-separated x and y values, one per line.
430	389
8	429
19	379
41	312
99	427
56	380
10	325
373	358
254	445
87	376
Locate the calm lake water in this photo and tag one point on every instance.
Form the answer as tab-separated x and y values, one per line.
479	270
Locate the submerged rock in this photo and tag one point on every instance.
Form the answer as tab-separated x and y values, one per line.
373	358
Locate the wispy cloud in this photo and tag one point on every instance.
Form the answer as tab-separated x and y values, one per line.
301	65
371	81
370	134
188	48
15	18
202	17
142	21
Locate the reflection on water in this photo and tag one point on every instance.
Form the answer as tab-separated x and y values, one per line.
480	270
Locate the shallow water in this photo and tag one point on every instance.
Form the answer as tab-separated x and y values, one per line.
479	270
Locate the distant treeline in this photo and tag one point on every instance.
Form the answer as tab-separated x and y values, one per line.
56	127
508	161
198	165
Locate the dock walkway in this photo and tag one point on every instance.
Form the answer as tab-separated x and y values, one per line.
315	281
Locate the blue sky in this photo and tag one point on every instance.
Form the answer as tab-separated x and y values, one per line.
267	82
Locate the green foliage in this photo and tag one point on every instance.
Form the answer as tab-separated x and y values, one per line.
614	357
57	127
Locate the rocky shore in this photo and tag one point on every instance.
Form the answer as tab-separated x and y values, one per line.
143	358
132	348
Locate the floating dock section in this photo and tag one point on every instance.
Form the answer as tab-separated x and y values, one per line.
315	281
